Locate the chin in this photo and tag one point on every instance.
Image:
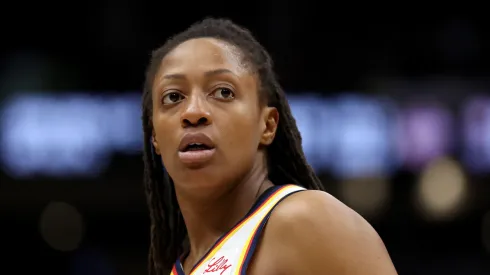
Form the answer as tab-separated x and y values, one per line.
202	182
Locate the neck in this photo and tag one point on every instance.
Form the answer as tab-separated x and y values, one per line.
207	220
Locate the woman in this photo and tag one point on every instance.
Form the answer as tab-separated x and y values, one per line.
232	198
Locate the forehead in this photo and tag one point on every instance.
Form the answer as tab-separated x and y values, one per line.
204	54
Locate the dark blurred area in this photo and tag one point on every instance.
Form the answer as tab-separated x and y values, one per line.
394	111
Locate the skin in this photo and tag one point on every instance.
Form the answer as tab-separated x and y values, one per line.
204	86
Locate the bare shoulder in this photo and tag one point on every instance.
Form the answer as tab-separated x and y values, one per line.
312	207
311	232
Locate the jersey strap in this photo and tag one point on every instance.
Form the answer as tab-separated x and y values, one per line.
260	222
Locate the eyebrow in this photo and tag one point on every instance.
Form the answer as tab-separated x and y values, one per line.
208	73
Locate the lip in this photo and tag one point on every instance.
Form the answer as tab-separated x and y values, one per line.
195	138
196	159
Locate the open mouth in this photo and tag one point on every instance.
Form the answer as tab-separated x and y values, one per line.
196	147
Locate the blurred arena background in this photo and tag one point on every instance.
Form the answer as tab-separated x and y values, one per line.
394	113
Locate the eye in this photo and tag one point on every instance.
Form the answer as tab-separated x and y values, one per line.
223	93
172	98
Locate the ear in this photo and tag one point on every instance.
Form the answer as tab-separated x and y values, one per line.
270	120
155	143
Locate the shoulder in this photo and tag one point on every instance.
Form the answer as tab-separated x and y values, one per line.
311	232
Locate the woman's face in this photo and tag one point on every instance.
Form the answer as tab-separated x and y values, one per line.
207	121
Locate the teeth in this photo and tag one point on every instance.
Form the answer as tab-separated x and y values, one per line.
191	146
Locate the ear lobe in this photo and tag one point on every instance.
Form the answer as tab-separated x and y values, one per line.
155	145
271	120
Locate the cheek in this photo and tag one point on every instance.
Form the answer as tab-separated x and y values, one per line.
165	152
164	136
241	133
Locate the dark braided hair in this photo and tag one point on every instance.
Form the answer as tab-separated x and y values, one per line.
285	157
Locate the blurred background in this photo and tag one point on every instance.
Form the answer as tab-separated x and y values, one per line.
394	113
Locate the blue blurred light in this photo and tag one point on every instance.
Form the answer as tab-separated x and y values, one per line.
363	139
476	120
313	117
73	134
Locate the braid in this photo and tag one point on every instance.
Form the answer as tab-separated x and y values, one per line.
286	160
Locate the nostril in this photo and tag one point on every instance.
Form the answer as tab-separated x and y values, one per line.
202	120
186	122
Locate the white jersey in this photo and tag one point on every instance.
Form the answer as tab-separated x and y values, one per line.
231	254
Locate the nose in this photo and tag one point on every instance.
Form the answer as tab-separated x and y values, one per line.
196	113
